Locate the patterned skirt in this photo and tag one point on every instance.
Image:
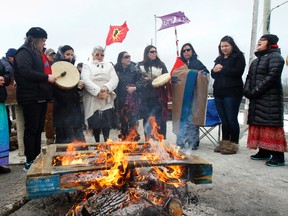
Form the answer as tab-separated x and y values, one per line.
267	137
4	136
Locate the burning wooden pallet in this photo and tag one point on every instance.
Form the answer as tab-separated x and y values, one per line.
70	167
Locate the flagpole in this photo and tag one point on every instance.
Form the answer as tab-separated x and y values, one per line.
177	48
155	31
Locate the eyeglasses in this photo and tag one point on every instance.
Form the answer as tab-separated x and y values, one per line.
153	51
186	50
262	39
126	57
98	54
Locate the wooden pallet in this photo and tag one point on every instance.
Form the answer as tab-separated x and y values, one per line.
44	179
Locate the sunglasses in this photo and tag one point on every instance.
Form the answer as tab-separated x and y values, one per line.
186	50
98	54
262	39
153	51
126	57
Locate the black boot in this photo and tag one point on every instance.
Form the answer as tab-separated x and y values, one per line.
262	154
276	160
4	170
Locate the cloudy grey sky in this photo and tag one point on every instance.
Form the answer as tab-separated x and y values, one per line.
84	24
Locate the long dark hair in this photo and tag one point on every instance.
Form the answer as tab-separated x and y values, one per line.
118	65
60	54
194	54
147	61
231	41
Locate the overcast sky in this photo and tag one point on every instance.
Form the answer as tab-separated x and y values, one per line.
85	24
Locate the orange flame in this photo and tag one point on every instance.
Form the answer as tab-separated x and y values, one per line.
114	157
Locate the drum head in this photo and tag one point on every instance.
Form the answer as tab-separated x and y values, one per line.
69	79
161	80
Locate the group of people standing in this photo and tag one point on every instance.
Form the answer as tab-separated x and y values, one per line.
262	87
126	88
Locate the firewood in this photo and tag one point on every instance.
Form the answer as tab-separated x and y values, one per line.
130	210
106	202
174	207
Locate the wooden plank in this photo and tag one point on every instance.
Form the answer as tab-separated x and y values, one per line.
40	187
43	163
43	179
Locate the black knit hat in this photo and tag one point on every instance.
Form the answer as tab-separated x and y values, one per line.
36	32
65	48
271	38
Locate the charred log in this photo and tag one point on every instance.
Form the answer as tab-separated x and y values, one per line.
106	202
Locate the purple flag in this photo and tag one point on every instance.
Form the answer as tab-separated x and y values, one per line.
173	19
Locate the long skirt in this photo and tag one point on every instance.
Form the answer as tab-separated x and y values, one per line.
4	136
267	137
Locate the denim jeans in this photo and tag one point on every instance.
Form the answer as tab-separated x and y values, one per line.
228	108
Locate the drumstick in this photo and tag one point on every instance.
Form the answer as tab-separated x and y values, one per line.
61	75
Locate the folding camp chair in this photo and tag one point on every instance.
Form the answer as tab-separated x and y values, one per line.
212	121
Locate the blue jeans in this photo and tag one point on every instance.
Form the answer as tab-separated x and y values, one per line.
228	108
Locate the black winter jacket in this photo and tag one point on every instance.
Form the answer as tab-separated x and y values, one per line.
195	64
264	89
6	74
126	76
32	82
228	82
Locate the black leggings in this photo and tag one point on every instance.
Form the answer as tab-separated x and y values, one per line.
34	118
97	132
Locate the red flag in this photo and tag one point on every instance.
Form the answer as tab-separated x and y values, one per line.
179	63
173	19
117	34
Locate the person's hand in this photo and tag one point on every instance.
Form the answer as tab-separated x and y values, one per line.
2	81
217	68
146	78
103	94
80	84
130	89
51	78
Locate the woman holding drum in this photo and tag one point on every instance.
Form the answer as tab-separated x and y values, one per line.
67	117
34	89
153	99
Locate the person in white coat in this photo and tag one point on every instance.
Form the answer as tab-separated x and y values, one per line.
100	80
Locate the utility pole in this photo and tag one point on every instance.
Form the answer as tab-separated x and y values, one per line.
266	15
252	50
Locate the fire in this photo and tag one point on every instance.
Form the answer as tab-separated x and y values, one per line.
145	172
70	158
116	157
116	175
170	175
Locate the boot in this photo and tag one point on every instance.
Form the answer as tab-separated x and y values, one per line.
262	154
230	148
221	145
277	159
4	170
